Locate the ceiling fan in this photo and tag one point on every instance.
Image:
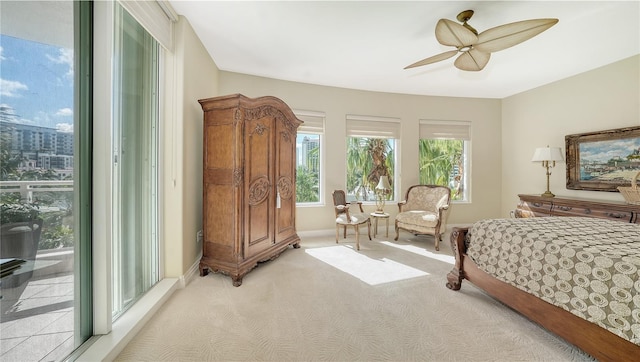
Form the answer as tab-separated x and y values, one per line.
475	49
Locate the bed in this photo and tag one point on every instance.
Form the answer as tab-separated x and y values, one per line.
578	277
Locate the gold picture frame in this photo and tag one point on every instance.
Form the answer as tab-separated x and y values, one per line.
603	160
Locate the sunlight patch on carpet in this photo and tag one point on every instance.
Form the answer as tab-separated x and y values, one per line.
370	271
413	249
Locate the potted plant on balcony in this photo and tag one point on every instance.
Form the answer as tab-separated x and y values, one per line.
21	228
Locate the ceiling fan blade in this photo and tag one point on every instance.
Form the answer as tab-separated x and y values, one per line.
454	34
505	36
433	59
473	60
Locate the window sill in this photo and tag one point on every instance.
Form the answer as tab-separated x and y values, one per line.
108	347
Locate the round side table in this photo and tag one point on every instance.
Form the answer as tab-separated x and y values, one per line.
376	216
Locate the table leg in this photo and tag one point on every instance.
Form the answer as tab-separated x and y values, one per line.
375	227
387	235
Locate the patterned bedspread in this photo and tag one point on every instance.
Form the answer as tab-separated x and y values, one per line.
588	266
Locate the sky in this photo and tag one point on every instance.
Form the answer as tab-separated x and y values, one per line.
36	82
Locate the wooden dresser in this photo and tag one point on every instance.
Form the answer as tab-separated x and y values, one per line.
536	206
249	190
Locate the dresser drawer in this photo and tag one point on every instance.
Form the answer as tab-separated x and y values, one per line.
566	210
533	209
536	205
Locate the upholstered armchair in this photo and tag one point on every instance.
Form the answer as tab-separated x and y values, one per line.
348	214
424	211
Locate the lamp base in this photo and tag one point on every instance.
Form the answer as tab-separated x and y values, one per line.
548	194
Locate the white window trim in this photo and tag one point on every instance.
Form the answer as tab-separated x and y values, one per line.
156	17
102	170
373	126
321	183
110	337
467	147
393	130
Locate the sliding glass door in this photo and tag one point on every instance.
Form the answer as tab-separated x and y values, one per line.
45	193
135	162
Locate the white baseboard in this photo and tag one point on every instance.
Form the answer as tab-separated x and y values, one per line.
315	233
192	273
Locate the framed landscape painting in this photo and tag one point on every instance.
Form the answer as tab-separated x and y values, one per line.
604	160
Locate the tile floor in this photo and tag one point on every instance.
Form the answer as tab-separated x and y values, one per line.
37	319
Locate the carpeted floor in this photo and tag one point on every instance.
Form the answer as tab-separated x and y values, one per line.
328	302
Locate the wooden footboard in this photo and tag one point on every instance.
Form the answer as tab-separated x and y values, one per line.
591	338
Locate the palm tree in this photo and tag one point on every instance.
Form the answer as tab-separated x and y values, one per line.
377	149
437	161
357	167
9	162
367	160
307	177
306	185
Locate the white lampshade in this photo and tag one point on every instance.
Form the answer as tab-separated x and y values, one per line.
547	154
383	184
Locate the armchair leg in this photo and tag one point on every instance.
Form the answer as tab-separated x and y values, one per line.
357	227
337	232
437	238
397	233
369	228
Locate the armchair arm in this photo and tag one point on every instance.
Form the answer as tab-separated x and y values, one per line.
343	209
401	204
359	203
443	215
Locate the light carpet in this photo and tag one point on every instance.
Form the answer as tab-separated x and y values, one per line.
329	302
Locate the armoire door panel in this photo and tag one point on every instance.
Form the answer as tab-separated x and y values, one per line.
258	229
259	236
285	171
259	171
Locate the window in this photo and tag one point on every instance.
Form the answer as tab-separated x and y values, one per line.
135	162
308	157
45	179
371	152
444	155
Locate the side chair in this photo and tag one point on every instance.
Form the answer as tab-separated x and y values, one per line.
348	215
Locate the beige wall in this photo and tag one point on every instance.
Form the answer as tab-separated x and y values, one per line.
192	75
504	135
604	98
336	103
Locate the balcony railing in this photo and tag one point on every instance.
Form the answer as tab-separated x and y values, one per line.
26	189
52	201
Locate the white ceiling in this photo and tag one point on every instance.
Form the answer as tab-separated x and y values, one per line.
366	44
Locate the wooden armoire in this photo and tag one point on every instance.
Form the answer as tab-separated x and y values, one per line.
249	190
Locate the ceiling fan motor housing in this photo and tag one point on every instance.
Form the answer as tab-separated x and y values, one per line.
463	17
